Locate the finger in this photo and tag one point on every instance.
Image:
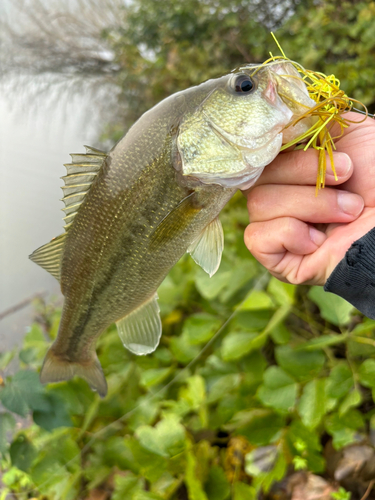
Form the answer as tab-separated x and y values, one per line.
355	120
279	245
301	167
332	205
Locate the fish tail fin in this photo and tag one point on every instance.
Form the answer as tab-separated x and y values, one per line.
56	368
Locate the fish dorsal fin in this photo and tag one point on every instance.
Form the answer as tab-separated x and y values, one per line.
80	175
206	250
140	331
49	256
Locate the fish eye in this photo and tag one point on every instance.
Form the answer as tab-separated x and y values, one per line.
243	84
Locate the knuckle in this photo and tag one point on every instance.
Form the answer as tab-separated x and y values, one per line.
288	226
251	238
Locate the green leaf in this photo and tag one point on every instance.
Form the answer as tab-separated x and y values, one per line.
283	293
279	390
34	347
252	321
126	487
367	326
23	392
237	344
116	452
299	463
304	442
324	341
217	486
313	403
223	385
341	494
280	314
261	427
150	465
166	485
210	288
242	491
6	357
354	398
200	328
242	274
303	365
166	439
266	479
13	400
55	416
154	376
280	334
193	484
58	463
257	300
332	307
366	373
195	392
7	424
340	381
22	453
182	350
147	495
344	428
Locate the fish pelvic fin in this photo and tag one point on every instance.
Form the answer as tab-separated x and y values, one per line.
57	368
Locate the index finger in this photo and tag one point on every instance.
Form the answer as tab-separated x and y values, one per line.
301	168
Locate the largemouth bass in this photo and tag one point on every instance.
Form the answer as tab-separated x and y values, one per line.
133	212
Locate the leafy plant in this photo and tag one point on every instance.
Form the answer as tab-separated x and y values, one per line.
194	418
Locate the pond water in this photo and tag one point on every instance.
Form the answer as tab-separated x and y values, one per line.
35	142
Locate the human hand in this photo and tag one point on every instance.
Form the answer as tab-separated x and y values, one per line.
285	214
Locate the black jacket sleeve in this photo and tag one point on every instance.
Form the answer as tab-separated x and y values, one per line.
354	277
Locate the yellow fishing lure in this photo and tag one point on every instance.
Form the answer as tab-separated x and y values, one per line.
331	104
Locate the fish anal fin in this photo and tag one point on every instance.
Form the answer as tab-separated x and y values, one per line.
49	256
206	250
140	331
57	368
175	222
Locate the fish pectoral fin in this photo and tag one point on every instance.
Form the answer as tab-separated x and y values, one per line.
49	256
175	222
56	368
140	331
206	250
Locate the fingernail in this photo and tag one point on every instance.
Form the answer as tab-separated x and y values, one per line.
342	163
317	236
350	203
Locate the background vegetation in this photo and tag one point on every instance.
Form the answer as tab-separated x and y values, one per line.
258	389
